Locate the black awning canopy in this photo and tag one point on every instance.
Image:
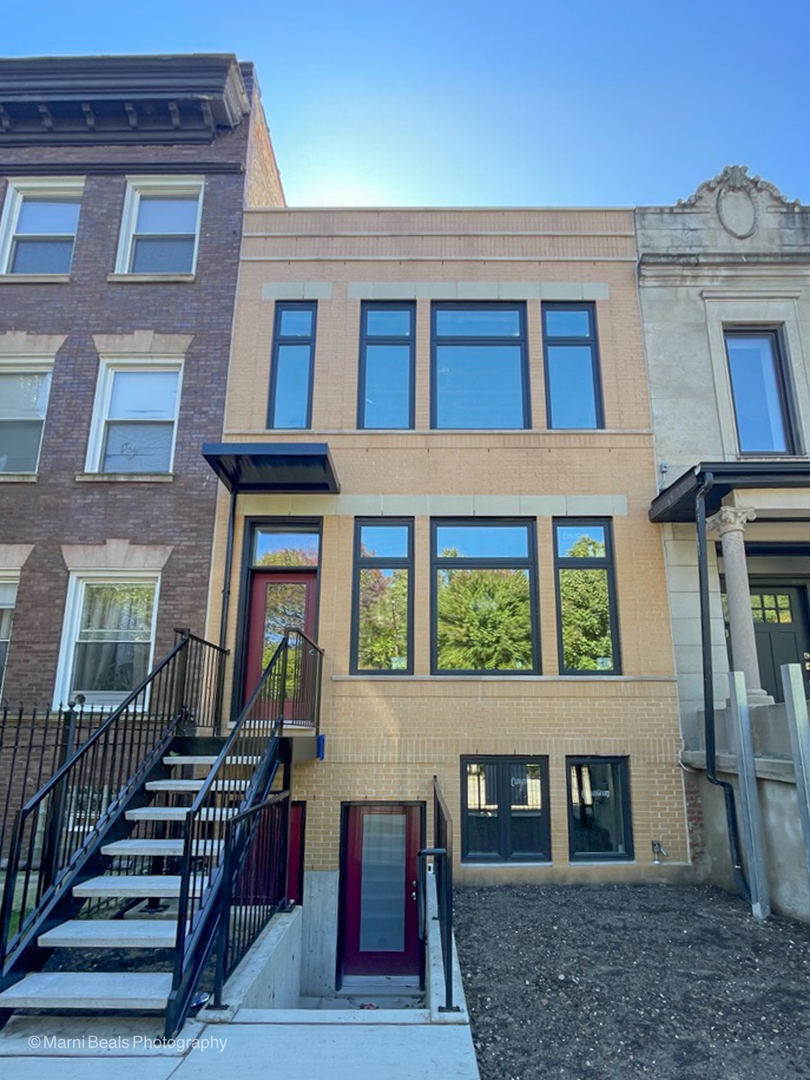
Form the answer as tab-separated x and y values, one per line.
292	468
677	502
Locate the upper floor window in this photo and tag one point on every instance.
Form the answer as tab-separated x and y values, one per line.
382	635
573	392
38	227
160	227
484	597
759	390
386	385
479	366
24	392
291	370
134	419
588	634
8	597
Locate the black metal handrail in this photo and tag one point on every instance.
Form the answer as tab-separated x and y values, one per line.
442	855
59	829
287	692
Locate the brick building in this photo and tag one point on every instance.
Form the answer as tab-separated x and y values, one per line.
122	186
439	456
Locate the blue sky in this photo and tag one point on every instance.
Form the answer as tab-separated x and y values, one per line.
470	103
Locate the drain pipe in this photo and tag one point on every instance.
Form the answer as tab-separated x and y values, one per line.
708	689
226	584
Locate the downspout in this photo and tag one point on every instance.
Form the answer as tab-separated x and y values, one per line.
708	689
226	583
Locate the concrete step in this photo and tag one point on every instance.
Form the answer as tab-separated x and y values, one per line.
82	990
189	759
195	785
146	885
111	934
165	848
176	813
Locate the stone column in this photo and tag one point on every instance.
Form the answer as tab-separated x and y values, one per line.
730	523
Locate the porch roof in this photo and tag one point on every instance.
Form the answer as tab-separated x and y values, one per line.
304	468
677	502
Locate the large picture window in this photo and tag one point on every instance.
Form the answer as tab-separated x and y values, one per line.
484	597
599	820
386	384
479	366
588	630
573	392
291	371
759	391
382	630
504	809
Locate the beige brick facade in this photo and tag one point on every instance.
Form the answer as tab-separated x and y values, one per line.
387	736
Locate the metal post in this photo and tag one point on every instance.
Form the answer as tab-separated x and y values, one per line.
799	728
749	798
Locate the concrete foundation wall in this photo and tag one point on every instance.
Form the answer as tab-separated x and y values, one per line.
319	946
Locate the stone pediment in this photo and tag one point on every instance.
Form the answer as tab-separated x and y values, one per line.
738	200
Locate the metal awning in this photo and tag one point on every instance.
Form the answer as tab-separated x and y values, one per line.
677	502
302	468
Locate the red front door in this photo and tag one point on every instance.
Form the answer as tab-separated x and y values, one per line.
278	599
379	901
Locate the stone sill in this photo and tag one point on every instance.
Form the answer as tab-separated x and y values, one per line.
35	279
771	768
18	478
450	677
146	279
124	478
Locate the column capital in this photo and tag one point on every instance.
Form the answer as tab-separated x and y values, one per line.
730	519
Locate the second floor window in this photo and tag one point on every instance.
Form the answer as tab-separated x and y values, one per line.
386	397
479	366
135	419
291	366
588	628
382	635
39	227
573	392
23	404
760	392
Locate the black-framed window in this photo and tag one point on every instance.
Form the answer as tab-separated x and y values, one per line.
292	364
382	599
504	809
571	355
599	818
386	382
484	597
588	633
760	391
479	366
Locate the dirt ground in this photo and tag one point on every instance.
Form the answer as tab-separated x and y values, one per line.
616	982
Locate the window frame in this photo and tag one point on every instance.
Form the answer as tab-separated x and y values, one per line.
381	563
504	815
366	340
8	578
30	367
70	188
606	562
592	341
522	341
170	186
529	562
622	761
71	623
278	341
101	407
784	386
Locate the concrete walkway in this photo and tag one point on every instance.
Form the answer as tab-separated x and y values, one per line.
260	1048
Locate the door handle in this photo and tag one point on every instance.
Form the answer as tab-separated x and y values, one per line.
413	895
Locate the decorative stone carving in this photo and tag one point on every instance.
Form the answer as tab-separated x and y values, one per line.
730	519
737	199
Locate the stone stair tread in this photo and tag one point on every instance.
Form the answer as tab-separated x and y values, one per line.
145	885
81	990
190	759
164	848
175	813
111	933
195	785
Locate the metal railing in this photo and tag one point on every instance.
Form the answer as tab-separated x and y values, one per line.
442	855
60	828
241	778
34	743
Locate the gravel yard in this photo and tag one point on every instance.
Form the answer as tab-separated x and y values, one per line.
615	982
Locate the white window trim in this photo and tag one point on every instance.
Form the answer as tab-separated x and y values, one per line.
39	365
156	185
9	577
104	384
74	601
16	191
